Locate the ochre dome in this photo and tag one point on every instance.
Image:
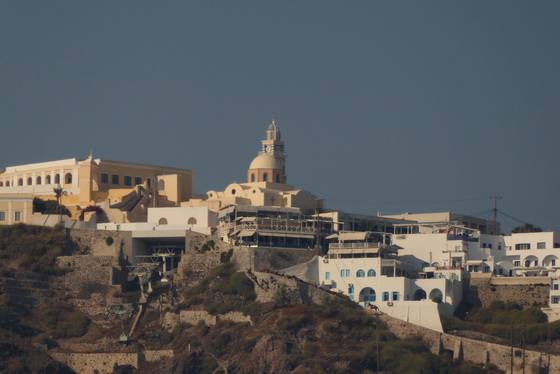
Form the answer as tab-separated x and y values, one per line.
265	161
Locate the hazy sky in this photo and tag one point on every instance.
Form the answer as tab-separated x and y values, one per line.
389	106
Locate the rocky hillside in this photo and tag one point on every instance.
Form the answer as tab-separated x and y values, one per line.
218	318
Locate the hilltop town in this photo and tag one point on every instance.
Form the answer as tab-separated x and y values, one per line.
259	277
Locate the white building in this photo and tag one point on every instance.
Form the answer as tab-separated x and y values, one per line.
371	272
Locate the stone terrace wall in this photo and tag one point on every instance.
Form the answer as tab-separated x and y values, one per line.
259	259
269	286
89	281
102	363
90	363
94	241
523	291
477	351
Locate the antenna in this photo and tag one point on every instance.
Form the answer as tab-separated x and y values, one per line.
495	199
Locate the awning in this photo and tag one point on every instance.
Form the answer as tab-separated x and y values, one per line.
248	219
246	233
346	236
474	262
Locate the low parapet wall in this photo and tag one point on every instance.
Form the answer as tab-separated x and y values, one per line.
477	351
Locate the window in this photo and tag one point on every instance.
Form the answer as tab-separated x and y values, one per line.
252	177
360	273
328	275
48	179
265	177
20	182
516	263
385	296
527	263
8	184
347	273
114	179
490	245
476	268
555	300
486	269
523	246
555	287
191	221
68	178
343	273
57	179
350	290
541	245
396	296
29	181
104	178
2	216
371	273
536	262
17	216
277	178
553	263
137	180
483	245
38	181
161	185
128	180
1	184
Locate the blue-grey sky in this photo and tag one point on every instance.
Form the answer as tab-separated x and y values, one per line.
389	106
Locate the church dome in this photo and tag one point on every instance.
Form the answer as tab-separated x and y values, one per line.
266	161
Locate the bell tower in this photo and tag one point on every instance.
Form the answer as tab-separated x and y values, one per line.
270	164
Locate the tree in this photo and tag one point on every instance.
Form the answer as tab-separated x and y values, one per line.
59	192
526	228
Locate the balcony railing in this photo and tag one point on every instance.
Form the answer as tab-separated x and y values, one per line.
355	245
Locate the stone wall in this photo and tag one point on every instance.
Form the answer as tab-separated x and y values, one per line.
193	317
102	363
270	287
94	242
90	282
262	258
86	363
523	291
477	351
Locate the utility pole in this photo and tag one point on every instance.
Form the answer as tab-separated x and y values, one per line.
317	228
495	199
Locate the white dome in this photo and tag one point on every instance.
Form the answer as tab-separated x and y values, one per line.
265	161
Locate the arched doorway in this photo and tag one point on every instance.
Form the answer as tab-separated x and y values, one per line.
367	295
162	221
420	295
436	294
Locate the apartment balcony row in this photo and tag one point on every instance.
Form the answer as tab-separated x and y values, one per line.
356	245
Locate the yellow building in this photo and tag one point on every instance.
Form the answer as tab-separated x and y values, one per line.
266	182
123	189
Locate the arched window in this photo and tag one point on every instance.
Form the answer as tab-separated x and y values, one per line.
265	177
38	180
48	179
20	182
68	178
1	184
233	191
29	181
8	184
371	273
367	295
360	273
277	177
252	177
162	221
57	179
161	185
191	221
